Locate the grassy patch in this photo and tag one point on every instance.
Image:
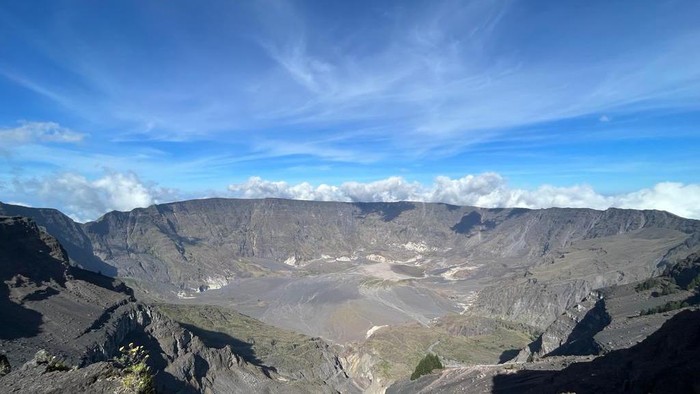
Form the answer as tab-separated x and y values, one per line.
662	287
402	347
673	305
647	285
427	365
667	307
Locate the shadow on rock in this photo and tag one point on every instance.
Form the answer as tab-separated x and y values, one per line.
17	321
666	362
388	211
508	355
219	340
467	223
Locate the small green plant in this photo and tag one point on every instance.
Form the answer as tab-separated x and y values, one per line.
52	363
668	288
429	363
694	284
667	307
56	365
4	365
647	285
138	377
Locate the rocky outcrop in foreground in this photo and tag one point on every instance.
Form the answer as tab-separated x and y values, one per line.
77	321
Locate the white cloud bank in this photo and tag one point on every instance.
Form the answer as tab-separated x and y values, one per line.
83	199
488	190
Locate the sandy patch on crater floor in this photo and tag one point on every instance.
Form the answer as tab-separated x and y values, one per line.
459	273
383	271
374	329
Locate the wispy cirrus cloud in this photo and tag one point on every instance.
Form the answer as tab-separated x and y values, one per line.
38	132
604	94
442	77
436	77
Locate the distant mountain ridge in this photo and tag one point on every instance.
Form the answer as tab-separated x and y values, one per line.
199	244
276	229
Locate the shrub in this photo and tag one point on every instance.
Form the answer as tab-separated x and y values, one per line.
138	377
647	285
429	363
52	363
695	283
4	365
668	289
667	307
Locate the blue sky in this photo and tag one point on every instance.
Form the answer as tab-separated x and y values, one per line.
116	104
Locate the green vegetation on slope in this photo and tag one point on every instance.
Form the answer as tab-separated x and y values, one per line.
667	307
666	285
402	347
426	365
694	283
647	284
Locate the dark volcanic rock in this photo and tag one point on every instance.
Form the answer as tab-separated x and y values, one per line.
69	233
44	302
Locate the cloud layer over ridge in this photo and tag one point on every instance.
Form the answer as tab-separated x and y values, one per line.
488	190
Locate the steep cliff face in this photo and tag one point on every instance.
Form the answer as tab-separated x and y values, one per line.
50	302
663	363
22	237
571	333
70	234
560	280
190	241
197	239
614	318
